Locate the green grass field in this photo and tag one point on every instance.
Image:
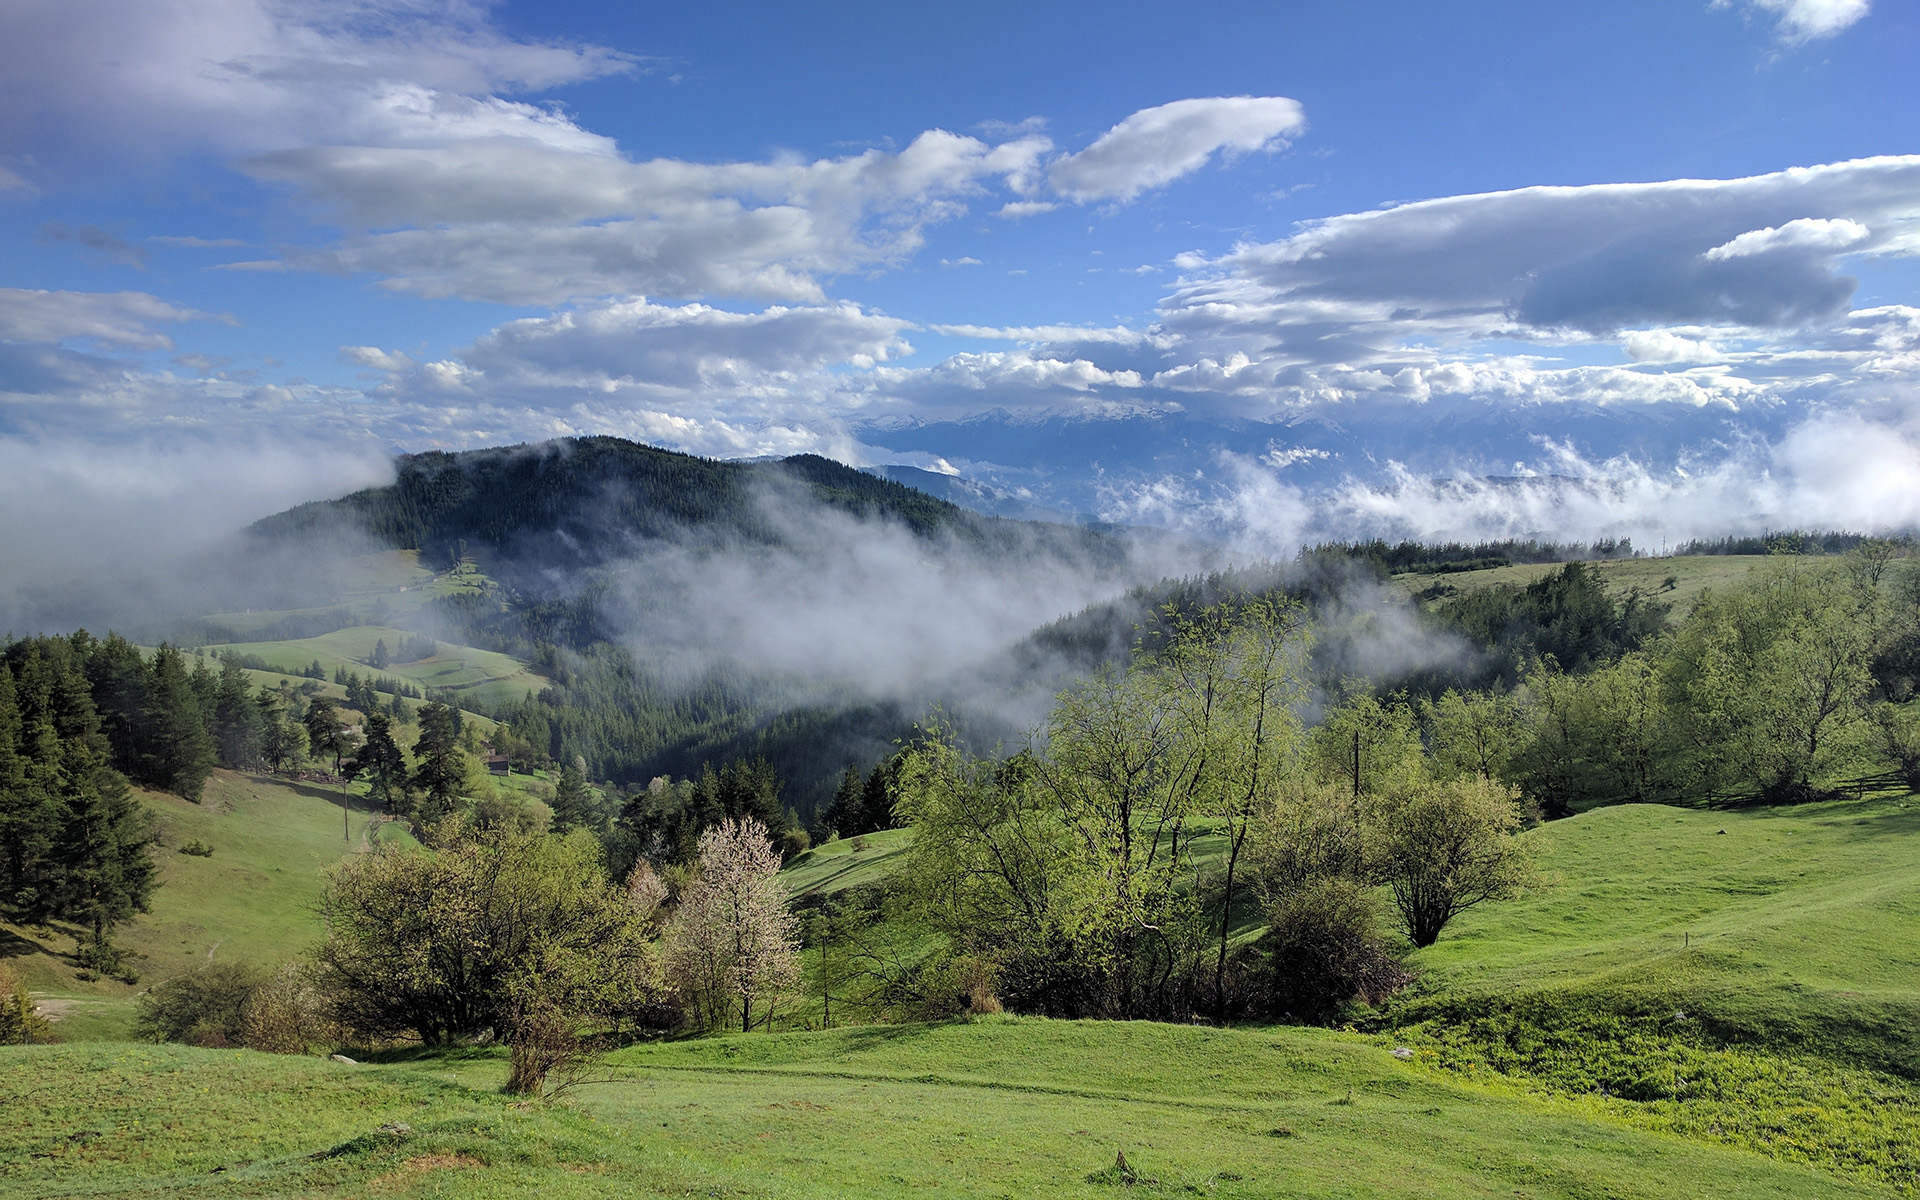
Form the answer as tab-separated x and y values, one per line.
838	864
378	586
1691	575
1688	1003
994	1107
252	900
484	676
1672	1011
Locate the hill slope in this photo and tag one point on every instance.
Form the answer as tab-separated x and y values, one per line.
994	1107
585	501
252	900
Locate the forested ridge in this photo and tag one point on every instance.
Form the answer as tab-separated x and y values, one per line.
585	501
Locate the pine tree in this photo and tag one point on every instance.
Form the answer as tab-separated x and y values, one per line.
178	753
441	770
75	841
326	733
106	872
383	765
119	676
573	801
379	659
283	741
28	762
843	813
876	799
237	724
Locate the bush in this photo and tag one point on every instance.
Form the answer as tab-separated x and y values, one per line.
197	848
490	930
1325	951
205	1007
286	1014
20	1021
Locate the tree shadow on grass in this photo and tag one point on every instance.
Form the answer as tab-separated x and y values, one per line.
12	945
330	793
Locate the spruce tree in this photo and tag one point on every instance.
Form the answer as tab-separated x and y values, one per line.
843	813
178	753
118	675
74	843
441	770
876	799
383	765
573	801
238	728
326	733
28	766
282	740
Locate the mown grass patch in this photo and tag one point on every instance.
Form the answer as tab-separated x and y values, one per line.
847	862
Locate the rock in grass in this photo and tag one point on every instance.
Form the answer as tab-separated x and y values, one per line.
341	1058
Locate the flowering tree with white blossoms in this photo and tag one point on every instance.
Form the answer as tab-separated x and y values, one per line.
732	945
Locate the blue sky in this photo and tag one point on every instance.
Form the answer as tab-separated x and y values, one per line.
1299	269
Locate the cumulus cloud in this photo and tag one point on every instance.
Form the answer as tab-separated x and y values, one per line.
1805	234
636	342
526	223
121	319
1156	146
244	76
406	124
1806	20
374	358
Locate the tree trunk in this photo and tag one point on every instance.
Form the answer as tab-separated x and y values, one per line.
1226	922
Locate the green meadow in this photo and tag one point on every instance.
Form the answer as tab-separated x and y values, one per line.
253	899
482	677
1687	1003
1675	581
991	1107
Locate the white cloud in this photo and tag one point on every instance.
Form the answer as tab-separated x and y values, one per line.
525	223
1805	20
121	319
689	347
1807	233
374	358
1663	346
1832	471
1013	210
1593	259
243	76
1156	146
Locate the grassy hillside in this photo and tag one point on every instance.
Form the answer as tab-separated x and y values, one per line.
484	676
1689	1003
997	1107
1797	930
376	587
1691	575
252	900
842	863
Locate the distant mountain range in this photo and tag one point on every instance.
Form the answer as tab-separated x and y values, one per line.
1059	463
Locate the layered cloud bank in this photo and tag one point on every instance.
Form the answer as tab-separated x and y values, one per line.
1630	340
